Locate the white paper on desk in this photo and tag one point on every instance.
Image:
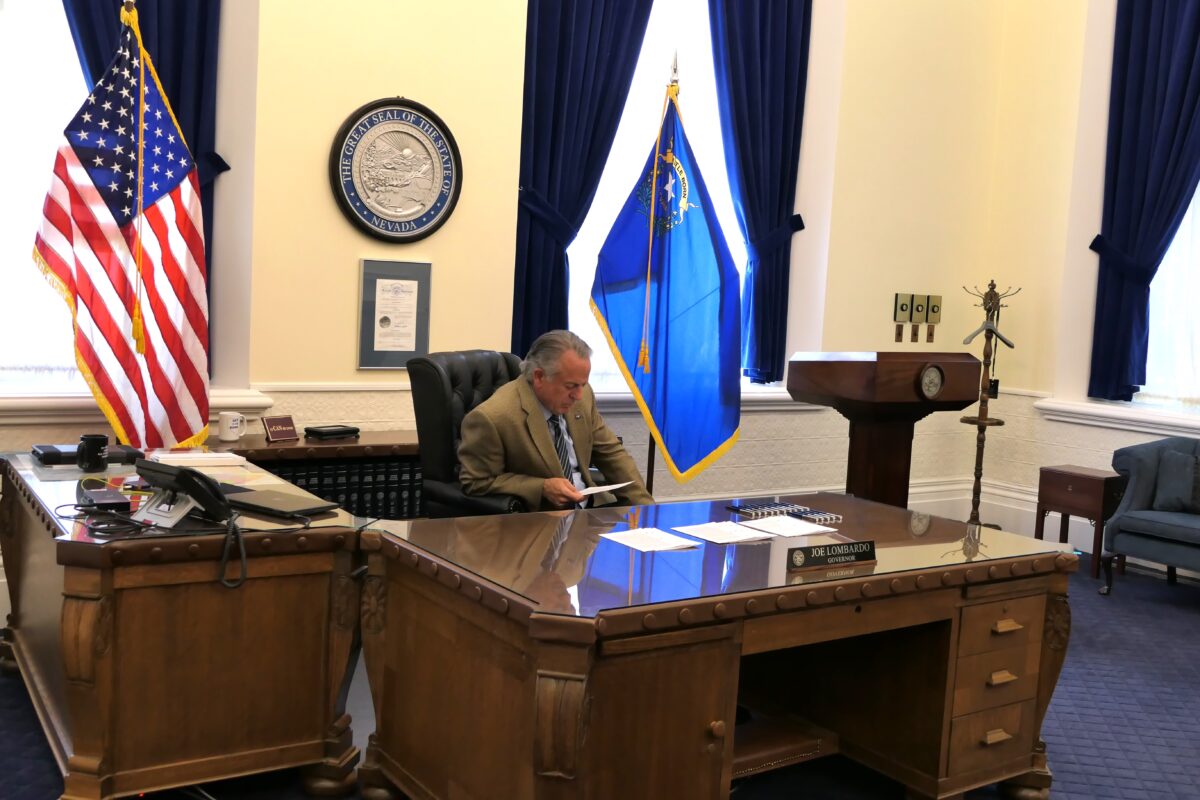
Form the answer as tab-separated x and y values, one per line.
197	458
243	476
649	539
783	525
722	532
612	487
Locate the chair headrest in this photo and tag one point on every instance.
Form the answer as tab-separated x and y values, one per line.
445	386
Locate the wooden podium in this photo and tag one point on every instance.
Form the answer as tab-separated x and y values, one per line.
883	395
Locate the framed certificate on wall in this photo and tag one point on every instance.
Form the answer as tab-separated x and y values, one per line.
393	313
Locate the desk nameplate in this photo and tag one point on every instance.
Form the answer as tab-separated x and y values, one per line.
830	554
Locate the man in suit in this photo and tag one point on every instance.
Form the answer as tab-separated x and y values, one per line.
536	436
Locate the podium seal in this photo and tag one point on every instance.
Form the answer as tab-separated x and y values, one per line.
395	170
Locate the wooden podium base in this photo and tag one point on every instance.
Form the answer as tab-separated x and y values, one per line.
880	460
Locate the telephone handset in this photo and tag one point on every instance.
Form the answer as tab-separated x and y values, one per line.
178	491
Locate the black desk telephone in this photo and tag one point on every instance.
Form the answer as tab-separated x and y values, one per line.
179	490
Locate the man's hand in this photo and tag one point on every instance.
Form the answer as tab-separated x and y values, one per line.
560	492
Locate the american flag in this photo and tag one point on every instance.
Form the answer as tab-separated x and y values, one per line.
122	241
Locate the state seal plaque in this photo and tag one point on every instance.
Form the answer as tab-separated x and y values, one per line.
395	170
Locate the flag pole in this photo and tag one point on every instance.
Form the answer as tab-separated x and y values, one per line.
650	467
644	355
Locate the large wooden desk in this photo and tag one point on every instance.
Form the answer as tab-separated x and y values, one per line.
504	665
147	673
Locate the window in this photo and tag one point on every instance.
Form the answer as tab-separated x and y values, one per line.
1173	358
41	69
675	27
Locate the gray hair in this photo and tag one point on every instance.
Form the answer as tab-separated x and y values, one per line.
548	349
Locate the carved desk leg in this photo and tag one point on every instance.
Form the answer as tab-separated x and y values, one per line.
86	638
560	703
8	662
372	783
334	775
1035	785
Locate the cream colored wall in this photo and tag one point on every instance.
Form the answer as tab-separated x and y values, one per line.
1038	77
916	113
317	63
955	143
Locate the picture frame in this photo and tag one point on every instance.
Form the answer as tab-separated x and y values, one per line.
393	313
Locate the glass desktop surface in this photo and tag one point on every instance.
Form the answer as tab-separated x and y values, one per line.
584	574
55	488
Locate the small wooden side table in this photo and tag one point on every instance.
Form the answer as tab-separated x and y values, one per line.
1085	492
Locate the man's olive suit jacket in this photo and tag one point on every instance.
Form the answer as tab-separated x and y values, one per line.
507	448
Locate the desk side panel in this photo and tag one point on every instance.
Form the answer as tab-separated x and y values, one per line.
258	651
660	720
455	718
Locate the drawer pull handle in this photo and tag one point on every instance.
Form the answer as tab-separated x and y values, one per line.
996	736
1000	677
1003	626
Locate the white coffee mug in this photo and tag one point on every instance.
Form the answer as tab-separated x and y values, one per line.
231	426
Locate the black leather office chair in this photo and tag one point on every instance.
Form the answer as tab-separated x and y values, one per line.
445	386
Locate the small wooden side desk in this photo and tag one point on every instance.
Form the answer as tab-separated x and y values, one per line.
146	673
1085	492
256	448
374	474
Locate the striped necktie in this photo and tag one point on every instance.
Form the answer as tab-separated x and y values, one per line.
560	445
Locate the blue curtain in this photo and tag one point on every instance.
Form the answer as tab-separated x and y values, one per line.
182	40
760	49
1151	174
579	62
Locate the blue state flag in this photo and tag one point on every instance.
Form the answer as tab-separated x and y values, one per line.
666	297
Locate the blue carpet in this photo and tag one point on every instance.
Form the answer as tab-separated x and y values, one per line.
1124	723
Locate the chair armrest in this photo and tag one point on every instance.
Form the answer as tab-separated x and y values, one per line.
1139	463
452	495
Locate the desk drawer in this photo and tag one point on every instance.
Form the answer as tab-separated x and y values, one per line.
1074	494
1001	625
991	738
995	679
